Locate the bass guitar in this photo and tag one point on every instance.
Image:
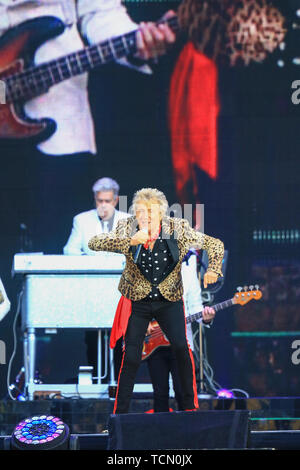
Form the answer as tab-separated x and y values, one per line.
245	34
157	338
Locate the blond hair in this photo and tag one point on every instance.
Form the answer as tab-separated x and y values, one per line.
147	194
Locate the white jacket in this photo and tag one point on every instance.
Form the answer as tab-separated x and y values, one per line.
67	102
85	226
191	293
4	302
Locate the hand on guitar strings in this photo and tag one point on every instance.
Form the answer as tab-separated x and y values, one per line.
151	328
153	39
208	314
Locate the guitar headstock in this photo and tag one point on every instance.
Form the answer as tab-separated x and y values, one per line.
245	294
233	31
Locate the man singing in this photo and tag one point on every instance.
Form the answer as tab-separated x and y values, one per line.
151	286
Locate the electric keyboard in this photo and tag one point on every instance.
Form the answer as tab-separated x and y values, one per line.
29	263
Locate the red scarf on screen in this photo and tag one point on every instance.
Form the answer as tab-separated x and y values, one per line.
193	111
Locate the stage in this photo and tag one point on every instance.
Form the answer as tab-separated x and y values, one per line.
222	152
274	423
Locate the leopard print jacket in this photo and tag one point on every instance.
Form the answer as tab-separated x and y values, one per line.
133	284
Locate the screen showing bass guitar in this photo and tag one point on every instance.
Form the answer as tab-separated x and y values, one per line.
247	31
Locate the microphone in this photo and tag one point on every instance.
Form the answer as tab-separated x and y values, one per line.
137	253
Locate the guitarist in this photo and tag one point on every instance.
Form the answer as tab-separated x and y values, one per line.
91	20
162	362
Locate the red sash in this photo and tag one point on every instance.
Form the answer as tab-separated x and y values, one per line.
122	315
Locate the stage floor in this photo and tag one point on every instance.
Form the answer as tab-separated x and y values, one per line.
90	416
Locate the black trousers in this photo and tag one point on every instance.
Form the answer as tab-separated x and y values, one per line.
161	363
170	316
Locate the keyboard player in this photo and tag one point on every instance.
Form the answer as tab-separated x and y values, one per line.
103	218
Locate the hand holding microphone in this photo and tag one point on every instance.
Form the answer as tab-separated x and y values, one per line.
139	238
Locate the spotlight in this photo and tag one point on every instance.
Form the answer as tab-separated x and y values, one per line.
223	393
41	433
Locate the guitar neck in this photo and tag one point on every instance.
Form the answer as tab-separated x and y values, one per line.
36	80
217	307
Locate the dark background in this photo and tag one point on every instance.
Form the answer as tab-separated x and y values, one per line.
257	188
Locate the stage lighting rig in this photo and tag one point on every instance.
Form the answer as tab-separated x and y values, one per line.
41	433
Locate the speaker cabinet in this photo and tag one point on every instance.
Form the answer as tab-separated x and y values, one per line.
179	430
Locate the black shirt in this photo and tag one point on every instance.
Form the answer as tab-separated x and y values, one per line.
153	265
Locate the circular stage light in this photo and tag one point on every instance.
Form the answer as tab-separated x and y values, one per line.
41	433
